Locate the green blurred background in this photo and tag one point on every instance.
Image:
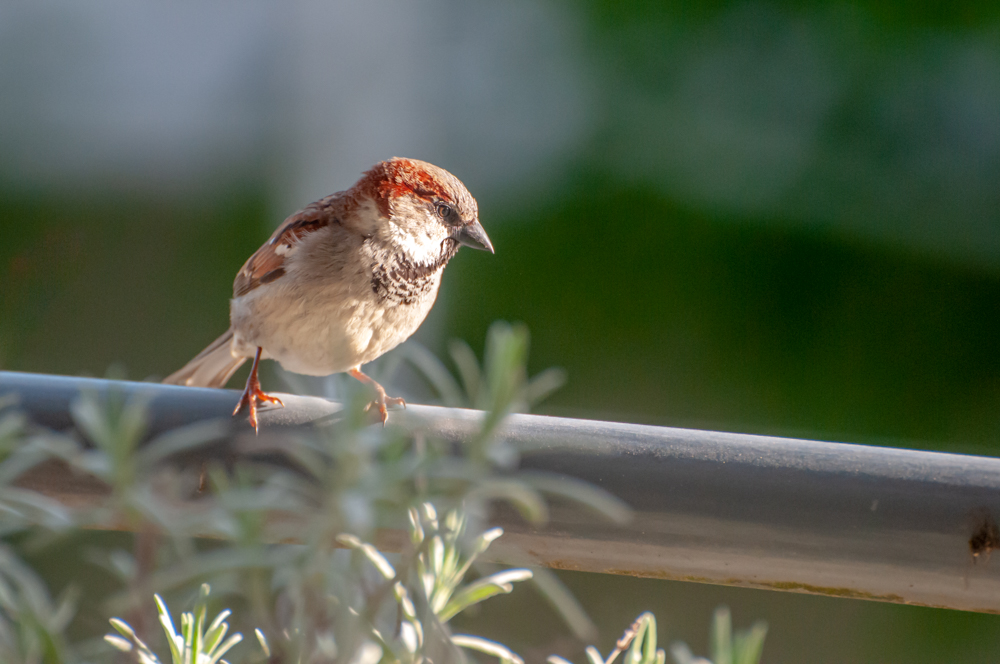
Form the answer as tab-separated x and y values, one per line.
777	217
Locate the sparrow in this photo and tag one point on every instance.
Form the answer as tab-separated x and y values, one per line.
343	281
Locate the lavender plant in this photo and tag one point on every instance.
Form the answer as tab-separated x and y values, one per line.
306	550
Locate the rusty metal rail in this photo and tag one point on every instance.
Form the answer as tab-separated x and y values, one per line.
783	514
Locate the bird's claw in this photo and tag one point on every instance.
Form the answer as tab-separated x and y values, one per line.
382	402
252	394
250	399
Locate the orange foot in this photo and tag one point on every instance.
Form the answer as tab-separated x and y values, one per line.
252	394
381	400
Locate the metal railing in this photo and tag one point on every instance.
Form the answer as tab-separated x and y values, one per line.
776	513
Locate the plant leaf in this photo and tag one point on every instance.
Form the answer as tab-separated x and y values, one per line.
581	492
496	584
384	567
435	372
488	647
468	370
594	655
722	636
750	644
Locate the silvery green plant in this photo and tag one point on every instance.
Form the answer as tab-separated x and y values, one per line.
196	643
743	647
439	560
298	544
437	566
32	622
441	565
639	644
22	447
345	482
639	640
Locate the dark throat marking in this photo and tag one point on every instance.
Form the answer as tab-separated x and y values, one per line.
401	281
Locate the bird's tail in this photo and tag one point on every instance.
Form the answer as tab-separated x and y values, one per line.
212	367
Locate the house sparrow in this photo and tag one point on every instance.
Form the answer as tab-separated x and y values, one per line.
343	280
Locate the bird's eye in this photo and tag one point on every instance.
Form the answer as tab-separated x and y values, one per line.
445	211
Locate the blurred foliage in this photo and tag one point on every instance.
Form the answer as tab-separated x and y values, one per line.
439	568
290	542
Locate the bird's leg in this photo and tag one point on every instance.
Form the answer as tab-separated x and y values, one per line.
381	400
252	393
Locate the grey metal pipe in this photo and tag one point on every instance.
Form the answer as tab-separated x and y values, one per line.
734	509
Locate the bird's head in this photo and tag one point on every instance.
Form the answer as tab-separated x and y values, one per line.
420	207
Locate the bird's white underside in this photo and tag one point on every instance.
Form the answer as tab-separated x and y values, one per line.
342	323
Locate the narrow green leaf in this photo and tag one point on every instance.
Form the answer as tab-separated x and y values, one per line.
496	584
384	567
416	530
430	515
469	596
262	640
488	647
483	541
683	655
89	419
751	644
528	502
224	648
436	373
118	642
133	421
584	493
405	603
436	551
722	636
176	645
566	603
180	439
225	613
468	369
543	384
122	627
507	576
198	628
593	655
635	651
213	637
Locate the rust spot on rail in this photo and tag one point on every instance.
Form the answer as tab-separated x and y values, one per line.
832	592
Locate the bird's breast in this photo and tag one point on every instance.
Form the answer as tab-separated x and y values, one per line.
396	278
322	328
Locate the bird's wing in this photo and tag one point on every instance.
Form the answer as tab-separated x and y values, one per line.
268	262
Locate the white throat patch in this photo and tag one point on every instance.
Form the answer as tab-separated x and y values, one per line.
421	238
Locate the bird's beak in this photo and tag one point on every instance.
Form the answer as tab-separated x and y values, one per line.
473	235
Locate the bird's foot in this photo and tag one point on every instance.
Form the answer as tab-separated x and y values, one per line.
382	402
252	394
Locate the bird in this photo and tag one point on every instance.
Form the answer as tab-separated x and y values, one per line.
343	281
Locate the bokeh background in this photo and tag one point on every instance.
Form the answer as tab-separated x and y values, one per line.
771	217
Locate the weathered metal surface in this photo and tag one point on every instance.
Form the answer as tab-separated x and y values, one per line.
782	514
